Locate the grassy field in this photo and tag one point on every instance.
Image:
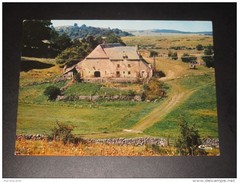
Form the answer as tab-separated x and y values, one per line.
199	110
191	96
103	118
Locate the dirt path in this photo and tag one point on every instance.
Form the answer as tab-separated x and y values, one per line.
176	97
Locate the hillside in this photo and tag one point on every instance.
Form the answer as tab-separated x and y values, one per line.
158	32
77	32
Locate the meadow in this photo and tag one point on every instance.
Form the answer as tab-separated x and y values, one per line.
190	96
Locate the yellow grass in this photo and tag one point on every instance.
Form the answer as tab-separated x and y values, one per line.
54	148
40	75
167	41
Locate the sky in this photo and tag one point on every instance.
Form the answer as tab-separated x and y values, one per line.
191	26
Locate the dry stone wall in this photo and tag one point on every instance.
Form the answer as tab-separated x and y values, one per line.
213	142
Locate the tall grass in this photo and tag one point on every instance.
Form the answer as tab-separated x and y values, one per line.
56	148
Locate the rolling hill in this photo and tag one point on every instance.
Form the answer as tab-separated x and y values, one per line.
78	32
156	32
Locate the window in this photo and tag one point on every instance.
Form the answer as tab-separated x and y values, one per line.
123	72
117	74
118	65
129	73
129	65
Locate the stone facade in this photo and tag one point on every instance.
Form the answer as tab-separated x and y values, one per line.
114	61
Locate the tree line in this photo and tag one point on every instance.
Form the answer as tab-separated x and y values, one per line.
41	39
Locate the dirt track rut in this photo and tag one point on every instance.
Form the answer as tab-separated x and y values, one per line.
175	98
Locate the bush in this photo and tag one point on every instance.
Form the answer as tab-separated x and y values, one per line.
209	50
209	60
154	89
188	58
170	53
199	47
62	133
52	92
174	56
153	54
189	140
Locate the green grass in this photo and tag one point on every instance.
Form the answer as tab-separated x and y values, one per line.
199	110
34	93
92	89
36	115
39	119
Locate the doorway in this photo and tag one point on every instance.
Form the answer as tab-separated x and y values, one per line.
97	74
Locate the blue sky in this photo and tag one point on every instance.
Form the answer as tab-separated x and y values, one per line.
192	26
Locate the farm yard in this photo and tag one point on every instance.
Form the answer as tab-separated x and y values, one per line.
190	95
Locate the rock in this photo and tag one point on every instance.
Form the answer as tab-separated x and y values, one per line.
137	98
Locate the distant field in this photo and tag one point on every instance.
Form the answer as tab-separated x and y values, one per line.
192	89
163	44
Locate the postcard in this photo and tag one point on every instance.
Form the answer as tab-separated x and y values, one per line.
117	88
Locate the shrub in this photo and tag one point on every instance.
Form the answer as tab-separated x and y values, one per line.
62	133
52	92
174	56
170	53
188	58
199	47
154	89
209	60
153	54
189	140
208	50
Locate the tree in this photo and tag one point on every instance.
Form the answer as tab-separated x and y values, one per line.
208	50
78	51
209	60
189	140
34	34
208	57
52	92
112	38
59	42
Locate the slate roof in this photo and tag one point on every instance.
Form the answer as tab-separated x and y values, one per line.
114	51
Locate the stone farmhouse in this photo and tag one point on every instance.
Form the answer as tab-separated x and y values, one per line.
114	62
